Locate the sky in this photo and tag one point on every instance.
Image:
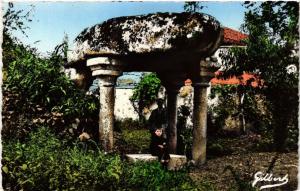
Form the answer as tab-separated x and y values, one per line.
52	20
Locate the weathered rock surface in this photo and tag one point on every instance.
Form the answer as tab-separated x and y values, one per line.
176	161
141	157
153	33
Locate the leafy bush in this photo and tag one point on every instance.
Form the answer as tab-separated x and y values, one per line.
150	176
26	165
145	93
42	81
252	109
185	133
44	162
226	95
36	90
186	137
41	88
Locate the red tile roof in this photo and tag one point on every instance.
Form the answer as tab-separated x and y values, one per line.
235	80
233	37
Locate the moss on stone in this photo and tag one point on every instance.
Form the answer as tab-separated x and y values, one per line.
146	33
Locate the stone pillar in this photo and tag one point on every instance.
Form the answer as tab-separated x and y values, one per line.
199	122
172	92
172	82
106	71
201	83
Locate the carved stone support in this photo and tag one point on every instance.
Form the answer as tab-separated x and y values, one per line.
172	93
172	84
201	83
106	71
200	123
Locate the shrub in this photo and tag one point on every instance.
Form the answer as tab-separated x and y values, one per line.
29	165
185	132
252	109
41	88
44	162
145	93
150	176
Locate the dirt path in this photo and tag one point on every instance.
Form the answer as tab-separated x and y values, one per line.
246	165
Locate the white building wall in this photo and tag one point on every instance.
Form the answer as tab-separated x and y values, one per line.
123	107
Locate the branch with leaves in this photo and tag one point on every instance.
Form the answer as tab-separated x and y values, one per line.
145	93
192	6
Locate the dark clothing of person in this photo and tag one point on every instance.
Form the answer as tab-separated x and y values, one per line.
155	150
157	119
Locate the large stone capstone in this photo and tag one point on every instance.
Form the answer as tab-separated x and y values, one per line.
197	34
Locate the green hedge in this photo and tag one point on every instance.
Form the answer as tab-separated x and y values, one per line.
43	162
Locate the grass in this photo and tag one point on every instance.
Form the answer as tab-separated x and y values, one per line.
138	140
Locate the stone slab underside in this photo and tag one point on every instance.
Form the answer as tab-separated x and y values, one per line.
176	162
154	34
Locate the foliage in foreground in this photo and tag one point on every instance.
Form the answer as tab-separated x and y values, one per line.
44	162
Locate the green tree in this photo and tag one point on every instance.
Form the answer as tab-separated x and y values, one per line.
14	20
192	6
270	53
145	93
